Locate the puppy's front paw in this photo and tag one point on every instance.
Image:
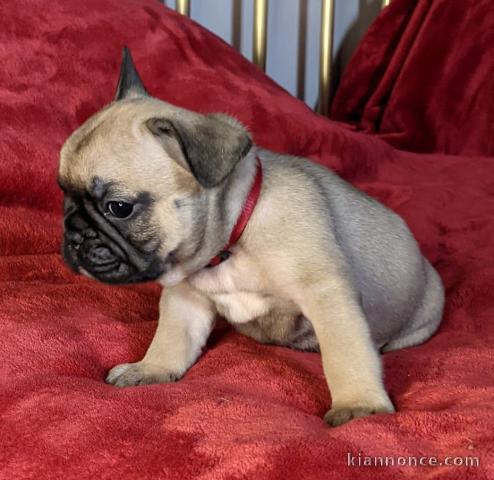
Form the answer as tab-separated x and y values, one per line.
139	373
340	414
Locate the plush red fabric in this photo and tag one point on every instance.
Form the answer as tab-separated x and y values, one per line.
245	410
423	77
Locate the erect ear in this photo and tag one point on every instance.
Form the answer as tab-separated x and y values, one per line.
129	84
211	146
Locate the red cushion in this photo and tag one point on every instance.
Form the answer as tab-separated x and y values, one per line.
423	77
245	410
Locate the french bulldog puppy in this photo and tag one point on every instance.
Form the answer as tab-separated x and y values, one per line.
156	192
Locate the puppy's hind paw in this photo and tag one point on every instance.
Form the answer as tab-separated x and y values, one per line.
139	373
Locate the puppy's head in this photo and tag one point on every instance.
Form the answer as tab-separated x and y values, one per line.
139	178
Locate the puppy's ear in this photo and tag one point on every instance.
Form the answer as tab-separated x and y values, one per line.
211	146
129	84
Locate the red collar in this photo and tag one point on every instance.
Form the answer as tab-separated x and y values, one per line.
243	219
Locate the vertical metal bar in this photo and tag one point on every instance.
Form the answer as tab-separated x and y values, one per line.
385	3
301	53
260	33
325	55
183	7
237	24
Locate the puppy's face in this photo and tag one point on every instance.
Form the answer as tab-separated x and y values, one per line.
138	178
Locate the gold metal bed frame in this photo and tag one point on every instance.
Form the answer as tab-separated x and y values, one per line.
259	43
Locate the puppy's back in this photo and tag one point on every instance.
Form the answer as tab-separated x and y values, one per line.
386	265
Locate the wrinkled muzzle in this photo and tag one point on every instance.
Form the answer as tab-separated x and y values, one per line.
93	245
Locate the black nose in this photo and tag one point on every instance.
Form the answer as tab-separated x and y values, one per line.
69	205
74	238
74	221
74	226
69	253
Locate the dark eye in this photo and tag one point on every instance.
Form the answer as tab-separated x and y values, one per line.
120	209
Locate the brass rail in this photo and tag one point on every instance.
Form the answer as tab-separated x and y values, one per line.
183	7
325	55
259	43
259	36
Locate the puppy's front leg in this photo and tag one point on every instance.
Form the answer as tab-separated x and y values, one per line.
186	319
351	363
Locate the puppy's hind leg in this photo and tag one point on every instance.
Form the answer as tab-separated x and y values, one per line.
351	363
427	316
186	319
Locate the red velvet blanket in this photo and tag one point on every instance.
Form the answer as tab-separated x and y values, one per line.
423	77
245	410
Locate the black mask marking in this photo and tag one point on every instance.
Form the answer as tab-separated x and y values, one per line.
93	243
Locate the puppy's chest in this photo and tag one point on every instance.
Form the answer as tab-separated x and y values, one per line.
242	307
239	295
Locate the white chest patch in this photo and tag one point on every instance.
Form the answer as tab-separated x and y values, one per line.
236	288
241	307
